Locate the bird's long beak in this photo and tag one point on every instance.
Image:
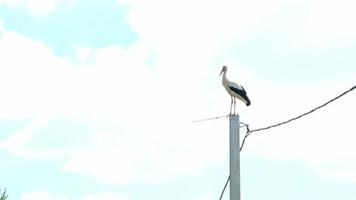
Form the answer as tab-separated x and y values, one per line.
221	72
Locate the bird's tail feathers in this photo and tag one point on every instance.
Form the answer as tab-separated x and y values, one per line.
248	102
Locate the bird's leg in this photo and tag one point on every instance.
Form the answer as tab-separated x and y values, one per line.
232	101
234	106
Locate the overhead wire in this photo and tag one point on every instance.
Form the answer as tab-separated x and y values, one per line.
249	132
210	118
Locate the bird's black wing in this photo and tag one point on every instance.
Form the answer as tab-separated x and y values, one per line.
242	93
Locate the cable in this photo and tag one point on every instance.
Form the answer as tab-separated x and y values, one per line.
248	131
304	114
218	117
222	193
211	118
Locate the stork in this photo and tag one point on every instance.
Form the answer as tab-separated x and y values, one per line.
235	90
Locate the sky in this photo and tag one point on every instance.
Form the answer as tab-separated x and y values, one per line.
97	98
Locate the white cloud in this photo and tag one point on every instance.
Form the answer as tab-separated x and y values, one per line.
40	7
206	198
196	28
44	195
144	158
40	195
28	75
329	22
11	3
116	87
37	7
200	28
1	28
83	53
104	196
17	142
149	109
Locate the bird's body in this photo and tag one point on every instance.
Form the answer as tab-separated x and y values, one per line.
235	90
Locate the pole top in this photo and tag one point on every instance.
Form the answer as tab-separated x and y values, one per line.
234	118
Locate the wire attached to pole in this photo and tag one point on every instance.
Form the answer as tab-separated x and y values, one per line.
249	132
211	118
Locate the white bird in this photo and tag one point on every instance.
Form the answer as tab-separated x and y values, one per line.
235	90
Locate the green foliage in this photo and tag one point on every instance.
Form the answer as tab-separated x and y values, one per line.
3	195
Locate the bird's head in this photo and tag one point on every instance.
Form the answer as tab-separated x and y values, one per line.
224	69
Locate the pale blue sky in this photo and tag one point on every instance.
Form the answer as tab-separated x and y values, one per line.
97	98
91	23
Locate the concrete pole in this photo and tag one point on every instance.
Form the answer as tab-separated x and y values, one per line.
234	157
